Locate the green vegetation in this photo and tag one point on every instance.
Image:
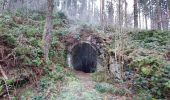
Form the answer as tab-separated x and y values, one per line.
22	43
104	87
109	88
153	39
145	52
149	63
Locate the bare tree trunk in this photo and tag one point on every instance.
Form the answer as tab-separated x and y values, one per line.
119	10
89	11
126	13
139	14
168	6
146	22
92	9
165	18
158	14
102	12
135	13
10	5
4	4
168	12
48	30
110	13
151	14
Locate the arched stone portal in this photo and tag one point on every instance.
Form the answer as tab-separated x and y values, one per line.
84	57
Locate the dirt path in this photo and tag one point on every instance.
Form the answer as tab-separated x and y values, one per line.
82	88
85	79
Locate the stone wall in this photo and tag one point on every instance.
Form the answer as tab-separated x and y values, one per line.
105	57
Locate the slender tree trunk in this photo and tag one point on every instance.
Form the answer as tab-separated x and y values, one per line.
168	3
92	9
158	14
168	6
10	5
89	11
146	22
110	13
4	4
135	13
48	30
119	10
150	13
153	17
139	14
126	13
102	13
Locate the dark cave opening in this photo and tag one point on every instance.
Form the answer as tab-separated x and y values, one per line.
84	58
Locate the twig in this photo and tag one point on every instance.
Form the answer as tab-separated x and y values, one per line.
5	78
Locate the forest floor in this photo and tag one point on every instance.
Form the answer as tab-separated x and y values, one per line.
84	88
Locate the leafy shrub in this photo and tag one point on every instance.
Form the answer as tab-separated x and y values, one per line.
146	65
152	39
153	75
8	40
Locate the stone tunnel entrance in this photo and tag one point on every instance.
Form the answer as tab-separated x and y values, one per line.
84	58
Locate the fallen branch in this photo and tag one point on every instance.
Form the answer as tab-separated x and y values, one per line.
3	73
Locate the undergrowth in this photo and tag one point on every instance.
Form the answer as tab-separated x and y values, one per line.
146	58
21	44
152	39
